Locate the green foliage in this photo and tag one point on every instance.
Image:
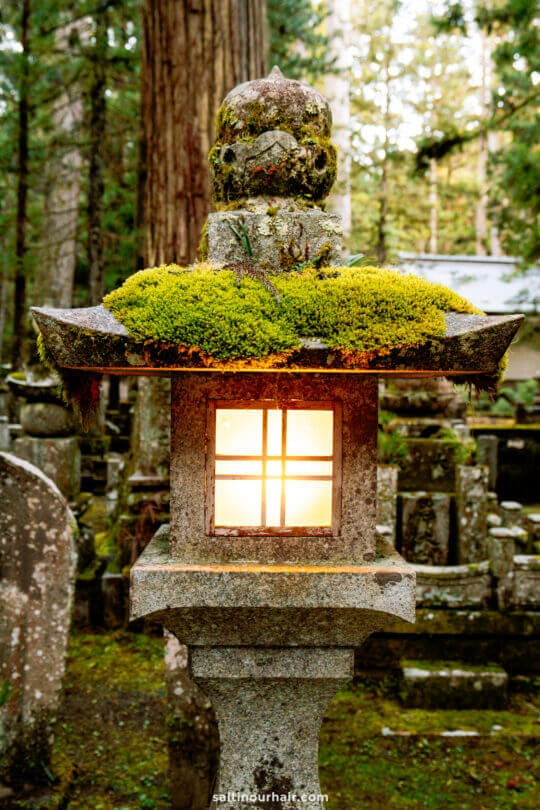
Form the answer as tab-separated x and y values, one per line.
357	311
391	447
5	692
298	45
515	167
464	449
508	398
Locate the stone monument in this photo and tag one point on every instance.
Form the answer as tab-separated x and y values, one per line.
270	571
37	580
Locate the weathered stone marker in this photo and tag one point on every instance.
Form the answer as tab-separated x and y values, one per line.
270	571
48	439
37	577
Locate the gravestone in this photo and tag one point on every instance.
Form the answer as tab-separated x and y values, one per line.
425	527
48	429
37	575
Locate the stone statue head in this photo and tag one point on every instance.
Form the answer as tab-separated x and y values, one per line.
273	139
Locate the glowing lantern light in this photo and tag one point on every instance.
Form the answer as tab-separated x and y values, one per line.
274	467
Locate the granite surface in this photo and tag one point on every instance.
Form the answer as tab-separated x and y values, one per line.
92	339
269	605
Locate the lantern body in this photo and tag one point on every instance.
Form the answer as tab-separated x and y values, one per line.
293	456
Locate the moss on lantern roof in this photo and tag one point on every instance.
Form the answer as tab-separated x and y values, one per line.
357	311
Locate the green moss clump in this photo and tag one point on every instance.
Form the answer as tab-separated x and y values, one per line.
203	309
357	311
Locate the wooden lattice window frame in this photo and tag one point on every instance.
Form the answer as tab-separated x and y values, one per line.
285	407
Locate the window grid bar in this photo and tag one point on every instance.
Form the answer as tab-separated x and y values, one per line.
272	458
246	477
264	458
283	458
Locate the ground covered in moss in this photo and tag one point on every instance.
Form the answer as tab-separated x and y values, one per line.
111	750
233	315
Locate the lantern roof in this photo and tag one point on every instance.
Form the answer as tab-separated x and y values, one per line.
92	339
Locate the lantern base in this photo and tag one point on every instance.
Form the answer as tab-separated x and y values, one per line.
269	705
252	604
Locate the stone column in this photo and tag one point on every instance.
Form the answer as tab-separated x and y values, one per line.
269	704
487	454
387	479
471	507
501	555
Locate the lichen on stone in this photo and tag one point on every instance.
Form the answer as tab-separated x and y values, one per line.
359	312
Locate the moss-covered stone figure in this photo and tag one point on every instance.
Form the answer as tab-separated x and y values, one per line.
356	311
273	139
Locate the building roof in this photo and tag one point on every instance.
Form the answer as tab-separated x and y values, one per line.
494	284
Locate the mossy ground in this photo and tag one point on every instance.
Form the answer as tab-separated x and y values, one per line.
111	751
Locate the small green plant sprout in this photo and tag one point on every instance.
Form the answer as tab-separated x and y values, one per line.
464	449
247	265
356	260
242	235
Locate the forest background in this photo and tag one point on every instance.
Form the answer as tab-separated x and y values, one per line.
441	101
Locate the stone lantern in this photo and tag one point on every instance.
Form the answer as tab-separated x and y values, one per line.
270	571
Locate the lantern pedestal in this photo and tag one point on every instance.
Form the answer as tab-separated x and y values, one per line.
270	645
269	705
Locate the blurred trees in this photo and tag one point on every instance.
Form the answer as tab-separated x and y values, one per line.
512	112
73	163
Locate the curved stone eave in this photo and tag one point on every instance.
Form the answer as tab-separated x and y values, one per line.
92	339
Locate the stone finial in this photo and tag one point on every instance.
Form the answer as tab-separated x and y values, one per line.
273	139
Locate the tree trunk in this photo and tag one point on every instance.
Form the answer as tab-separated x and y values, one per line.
194	52
433	203
53	284
382	246
19	310
337	87
481	223
383	214
98	123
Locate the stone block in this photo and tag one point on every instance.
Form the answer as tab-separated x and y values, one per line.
269	605
511	513
487	449
192	536
451	685
453	586
533	531
425	527
521	538
471	509
37	561
4	434
58	458
387	478
430	466
501	546
527	581
46	419
280	238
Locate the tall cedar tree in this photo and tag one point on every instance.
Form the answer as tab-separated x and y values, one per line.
515	182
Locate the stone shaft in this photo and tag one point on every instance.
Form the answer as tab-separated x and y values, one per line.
269	705
471	506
